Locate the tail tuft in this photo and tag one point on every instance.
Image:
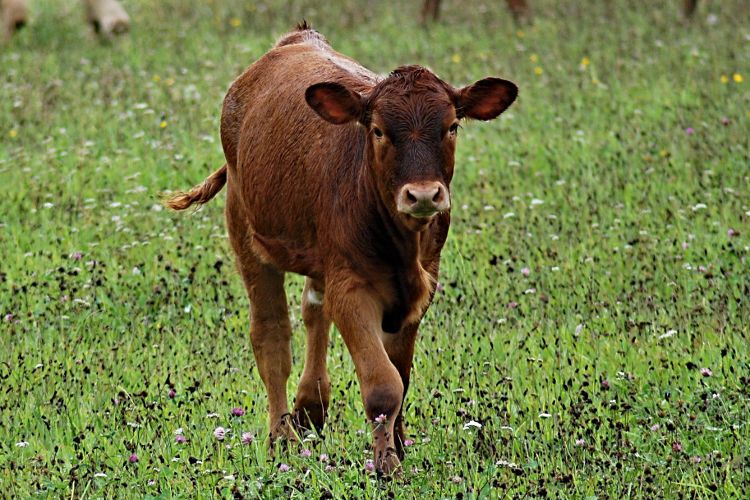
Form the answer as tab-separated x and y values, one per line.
202	193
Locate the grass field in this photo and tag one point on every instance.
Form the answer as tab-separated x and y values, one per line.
594	317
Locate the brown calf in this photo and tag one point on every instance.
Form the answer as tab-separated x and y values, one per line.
343	176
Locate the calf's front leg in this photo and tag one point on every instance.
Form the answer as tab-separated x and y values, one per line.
400	349
358	317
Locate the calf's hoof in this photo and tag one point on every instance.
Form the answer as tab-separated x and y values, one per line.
107	17
387	465
13	15
398	429
309	416
311	403
283	432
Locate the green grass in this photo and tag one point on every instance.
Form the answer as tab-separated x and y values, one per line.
590	386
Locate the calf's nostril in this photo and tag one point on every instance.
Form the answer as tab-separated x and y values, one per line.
410	197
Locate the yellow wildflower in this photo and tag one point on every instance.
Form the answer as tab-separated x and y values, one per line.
534	58
737	78
538	70
595	81
585	61
663	153
456	58
157	78
235	22
163	124
13	133
519	33
724	79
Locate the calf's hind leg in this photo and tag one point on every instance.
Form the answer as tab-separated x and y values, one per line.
314	389
270	334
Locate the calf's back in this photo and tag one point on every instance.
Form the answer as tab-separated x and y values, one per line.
288	167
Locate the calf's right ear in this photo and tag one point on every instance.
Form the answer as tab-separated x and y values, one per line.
335	103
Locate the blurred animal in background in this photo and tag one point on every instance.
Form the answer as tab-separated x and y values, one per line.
431	10
688	7
106	16
13	14
520	9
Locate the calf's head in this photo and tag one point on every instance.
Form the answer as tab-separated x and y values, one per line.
412	119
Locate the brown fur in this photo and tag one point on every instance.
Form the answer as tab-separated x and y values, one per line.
342	201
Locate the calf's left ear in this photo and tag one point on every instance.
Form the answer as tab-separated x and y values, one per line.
334	102
485	99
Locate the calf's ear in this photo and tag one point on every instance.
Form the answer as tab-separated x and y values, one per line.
334	102
485	99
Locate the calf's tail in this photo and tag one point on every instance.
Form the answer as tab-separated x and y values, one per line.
202	193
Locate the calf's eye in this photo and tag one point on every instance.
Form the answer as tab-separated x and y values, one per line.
378	133
453	129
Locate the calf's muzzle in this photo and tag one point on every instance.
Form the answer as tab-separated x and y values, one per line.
423	199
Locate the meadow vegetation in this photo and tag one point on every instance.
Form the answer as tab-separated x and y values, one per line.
591	334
